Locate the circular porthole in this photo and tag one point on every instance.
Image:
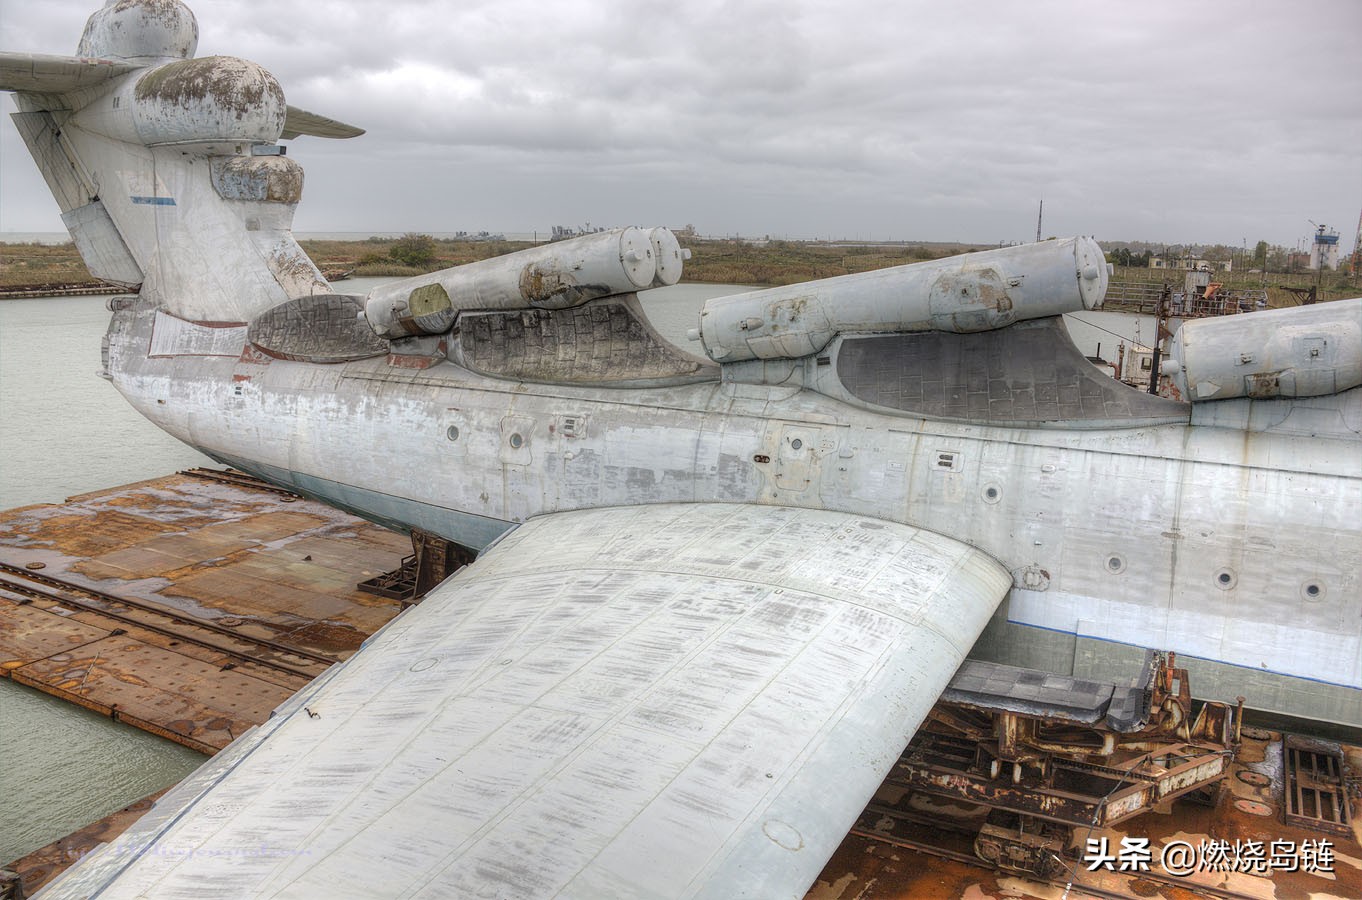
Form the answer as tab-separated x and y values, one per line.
516	441
1226	579
992	493
1116	564
796	444
452	432
1313	591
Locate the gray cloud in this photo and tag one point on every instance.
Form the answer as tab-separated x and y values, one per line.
1160	121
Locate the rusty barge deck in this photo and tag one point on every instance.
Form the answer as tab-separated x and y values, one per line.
185	606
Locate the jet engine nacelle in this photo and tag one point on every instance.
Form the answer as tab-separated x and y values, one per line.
553	276
1298	352
972	292
216	102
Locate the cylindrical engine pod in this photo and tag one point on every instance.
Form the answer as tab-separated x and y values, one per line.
1299	352
215	100
971	292
554	276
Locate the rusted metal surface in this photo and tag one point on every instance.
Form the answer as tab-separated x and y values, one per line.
22	291
433	559
1074	793
1315	794
149	616
1046	756
188	606
240	479
922	847
551	276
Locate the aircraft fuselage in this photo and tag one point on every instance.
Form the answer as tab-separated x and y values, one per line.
1236	548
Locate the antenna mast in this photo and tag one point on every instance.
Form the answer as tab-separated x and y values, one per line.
1041	214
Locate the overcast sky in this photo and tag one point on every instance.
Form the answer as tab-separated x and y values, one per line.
1161	121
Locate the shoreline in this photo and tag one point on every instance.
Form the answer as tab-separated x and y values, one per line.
30	271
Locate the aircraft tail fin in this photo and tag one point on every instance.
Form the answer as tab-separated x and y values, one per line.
168	168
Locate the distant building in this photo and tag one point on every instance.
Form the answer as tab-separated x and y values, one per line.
1190	263
1324	249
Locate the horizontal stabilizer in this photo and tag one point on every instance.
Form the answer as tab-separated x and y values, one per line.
41	74
300	121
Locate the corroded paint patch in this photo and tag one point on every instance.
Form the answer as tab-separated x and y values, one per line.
275	179
233	83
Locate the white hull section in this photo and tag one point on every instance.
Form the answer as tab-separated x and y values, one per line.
1213	542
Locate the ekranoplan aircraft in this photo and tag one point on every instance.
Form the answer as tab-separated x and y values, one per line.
715	595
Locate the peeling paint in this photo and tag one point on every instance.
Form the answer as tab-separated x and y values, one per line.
273	179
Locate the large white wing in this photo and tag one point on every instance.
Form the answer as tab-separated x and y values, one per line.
662	701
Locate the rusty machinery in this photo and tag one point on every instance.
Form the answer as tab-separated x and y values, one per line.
1046	754
433	559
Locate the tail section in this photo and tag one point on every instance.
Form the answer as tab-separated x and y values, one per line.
167	168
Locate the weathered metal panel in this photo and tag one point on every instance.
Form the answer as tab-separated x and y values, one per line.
606	342
272	179
172	336
1030	374
41	73
69	185
320	328
656	707
101	246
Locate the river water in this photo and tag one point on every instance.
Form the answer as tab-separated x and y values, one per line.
66	431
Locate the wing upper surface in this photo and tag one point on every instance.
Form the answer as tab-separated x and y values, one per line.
43	74
676	700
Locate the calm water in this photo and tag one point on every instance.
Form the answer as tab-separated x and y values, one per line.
67	431
62	767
